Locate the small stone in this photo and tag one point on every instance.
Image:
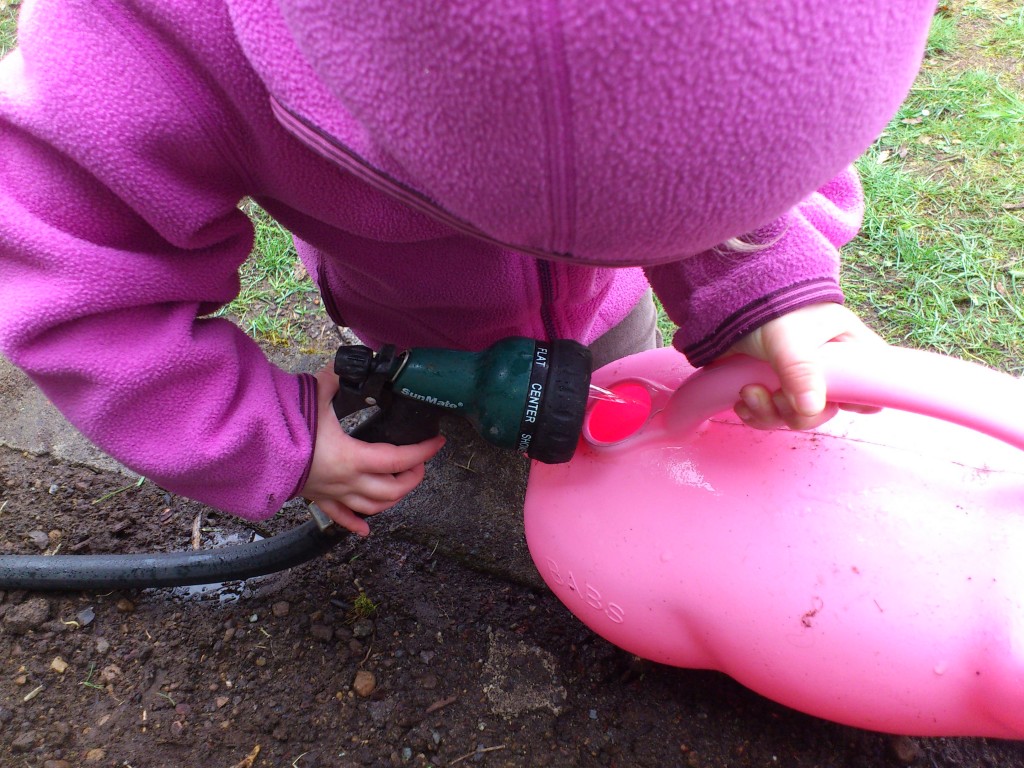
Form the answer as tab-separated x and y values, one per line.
261	661
365	683
85	617
110	673
905	750
58	665
23	742
429	682
57	627
343	634
56	764
27	616
95	755
102	645
321	632
39	539
362	628
221	701
124	605
281	608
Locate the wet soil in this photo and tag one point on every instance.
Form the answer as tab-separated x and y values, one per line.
380	653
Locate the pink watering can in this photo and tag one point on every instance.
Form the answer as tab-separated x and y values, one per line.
869	572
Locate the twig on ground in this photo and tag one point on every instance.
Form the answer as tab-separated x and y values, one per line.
441	704
249	760
476	752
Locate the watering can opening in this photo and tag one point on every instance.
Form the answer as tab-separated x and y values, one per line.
612	420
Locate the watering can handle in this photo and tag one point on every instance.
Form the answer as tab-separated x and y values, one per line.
925	383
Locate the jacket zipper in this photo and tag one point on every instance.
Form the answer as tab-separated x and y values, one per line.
545	275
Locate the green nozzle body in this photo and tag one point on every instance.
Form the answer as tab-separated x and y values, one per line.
519	393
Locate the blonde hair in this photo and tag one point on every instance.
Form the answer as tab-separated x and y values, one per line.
754	241
739	245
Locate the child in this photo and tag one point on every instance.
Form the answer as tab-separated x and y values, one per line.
453	173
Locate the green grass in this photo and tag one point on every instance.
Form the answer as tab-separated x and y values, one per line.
943	35
277	295
8	24
1007	38
940	261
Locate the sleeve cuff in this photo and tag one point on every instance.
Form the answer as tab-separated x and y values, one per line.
310	412
702	351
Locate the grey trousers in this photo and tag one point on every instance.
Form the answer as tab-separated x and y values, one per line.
637	332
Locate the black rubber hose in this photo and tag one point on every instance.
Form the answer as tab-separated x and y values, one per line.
173	569
170	569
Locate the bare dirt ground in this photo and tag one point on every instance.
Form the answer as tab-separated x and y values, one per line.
380	653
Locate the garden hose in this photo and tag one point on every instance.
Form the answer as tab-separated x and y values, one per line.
172	569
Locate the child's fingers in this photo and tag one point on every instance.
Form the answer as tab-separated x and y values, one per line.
763	410
797	420
803	384
387	459
344	517
791	343
386	488
792	352
375	476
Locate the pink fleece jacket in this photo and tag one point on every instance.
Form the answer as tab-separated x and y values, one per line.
453	173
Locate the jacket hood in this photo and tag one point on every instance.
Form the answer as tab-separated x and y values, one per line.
627	132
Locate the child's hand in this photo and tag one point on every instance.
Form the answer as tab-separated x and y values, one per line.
789	344
350	478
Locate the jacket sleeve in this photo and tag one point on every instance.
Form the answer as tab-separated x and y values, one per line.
120	234
720	295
